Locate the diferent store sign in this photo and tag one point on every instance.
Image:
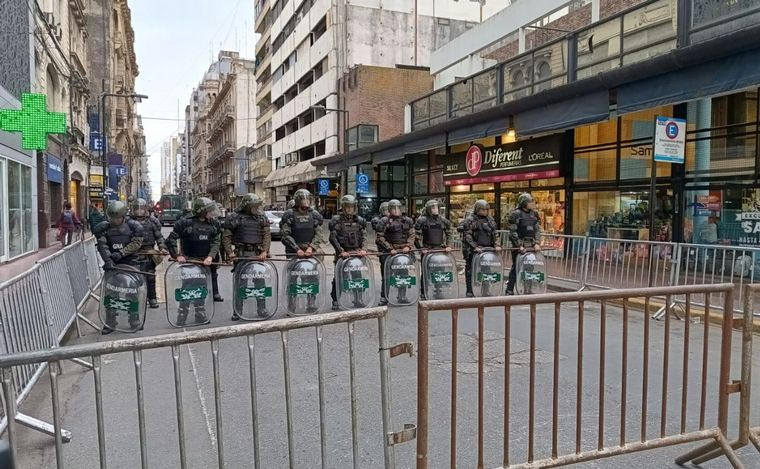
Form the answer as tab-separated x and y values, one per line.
537	158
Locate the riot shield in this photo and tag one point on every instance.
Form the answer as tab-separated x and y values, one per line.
255	287
531	273
401	286
123	299
305	291
355	283
439	272
188	295
487	274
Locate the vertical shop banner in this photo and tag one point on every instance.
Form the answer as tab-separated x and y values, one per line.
669	140
54	169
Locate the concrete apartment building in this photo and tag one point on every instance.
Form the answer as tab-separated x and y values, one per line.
306	49
221	124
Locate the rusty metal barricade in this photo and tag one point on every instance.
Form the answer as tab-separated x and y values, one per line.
562	410
144	353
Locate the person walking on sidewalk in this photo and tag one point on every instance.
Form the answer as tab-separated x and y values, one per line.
524	233
67	223
478	231
95	216
119	239
152	237
249	232
201	237
347	236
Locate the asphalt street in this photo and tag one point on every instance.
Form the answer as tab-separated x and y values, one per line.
204	440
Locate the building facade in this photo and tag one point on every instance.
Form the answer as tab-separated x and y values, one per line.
572	121
307	47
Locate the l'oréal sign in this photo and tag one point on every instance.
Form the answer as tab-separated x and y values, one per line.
536	158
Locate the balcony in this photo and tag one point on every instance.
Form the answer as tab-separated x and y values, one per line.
223	117
637	34
217	156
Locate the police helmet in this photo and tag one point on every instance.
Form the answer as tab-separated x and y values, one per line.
291	204
480	205
300	196
248	201
116	209
524	199
429	206
139	204
384	209
202	205
348	201
395	203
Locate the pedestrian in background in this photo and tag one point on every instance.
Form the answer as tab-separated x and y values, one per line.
67	223
95	216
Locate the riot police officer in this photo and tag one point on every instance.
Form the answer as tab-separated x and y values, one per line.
347	236
152	236
248	230
478	231
524	232
201	236
299	226
383	213
299	230
119	239
395	233
433	231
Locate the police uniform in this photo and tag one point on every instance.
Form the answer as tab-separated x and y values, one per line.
347	234
433	232
151	237
251	236
299	231
395	233
117	245
200	239
524	231
477	232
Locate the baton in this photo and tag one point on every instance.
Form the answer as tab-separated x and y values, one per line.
196	262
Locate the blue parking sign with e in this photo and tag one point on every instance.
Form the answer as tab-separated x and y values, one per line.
324	186
121	171
362	183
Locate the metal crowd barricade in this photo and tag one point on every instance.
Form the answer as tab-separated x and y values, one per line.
639	394
617	263
38	308
565	260
171	344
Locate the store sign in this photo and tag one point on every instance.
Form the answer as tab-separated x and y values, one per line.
707	205
54	169
750	218
33	121
669	140
536	158
362	183
323	186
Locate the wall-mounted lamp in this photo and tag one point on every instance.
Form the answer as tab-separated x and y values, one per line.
511	135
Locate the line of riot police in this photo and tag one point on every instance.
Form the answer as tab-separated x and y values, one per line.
132	247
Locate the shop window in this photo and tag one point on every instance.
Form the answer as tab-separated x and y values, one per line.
622	215
596	134
596	165
419	162
549	204
723	140
420	184
723	217
20	238
461	204
436	182
461	188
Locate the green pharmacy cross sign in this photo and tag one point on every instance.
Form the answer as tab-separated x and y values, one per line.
33	121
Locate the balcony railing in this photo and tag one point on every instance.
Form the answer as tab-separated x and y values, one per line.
634	35
227	149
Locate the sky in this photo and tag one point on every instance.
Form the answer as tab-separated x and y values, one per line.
173	42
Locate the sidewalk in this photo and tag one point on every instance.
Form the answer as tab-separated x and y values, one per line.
23	264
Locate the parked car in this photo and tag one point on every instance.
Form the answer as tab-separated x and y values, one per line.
274	218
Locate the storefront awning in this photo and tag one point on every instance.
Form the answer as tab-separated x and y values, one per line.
719	76
298	173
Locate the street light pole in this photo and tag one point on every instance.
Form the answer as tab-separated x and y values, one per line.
105	140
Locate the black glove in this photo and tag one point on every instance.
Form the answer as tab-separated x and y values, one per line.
116	256
109	265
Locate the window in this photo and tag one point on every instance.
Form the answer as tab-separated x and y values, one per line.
636	130
361	136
